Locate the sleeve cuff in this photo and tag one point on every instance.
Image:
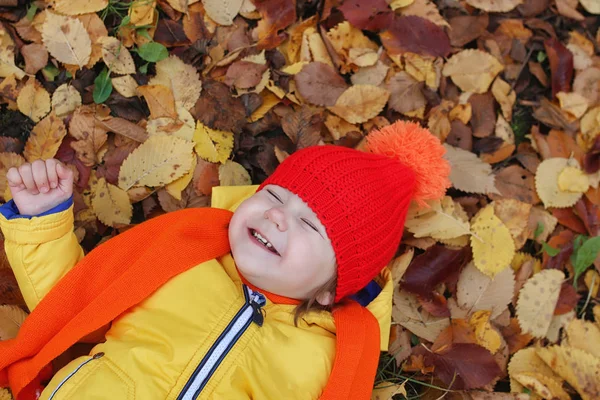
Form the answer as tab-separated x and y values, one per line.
10	211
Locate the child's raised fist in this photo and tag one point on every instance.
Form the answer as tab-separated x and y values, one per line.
40	186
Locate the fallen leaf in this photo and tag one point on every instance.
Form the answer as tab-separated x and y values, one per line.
466	28
505	96
212	145
537	301
111	204
515	339
472	70
160	99
183	127
373	15
546	183
276	16
233	174
527	361
116	56
45	138
181	78
483	119
425	9
142	12
303	127
344	37
66	39
11	319
514	214
320	84
591	6
65	100
493	246
360	103
34	100
215	97
406	313
90	134
443	220
176	187
125	128
387	390
469	173
573	103
372	75
416	35
543	385
486	335
244	74
561	65
35	56
125	85
495	5
67	7
405	93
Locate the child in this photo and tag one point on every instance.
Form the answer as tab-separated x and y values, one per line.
288	298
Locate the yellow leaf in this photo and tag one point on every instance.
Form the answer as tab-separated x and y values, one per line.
521	258
69	7
468	172
472	70
181	78
45	139
65	100
461	112
5	394
7	57
573	103
158	161
584	335
125	85
142	12
269	101
504	131
573	180
527	361
116	56
439	119
96	29
176	187
360	103
537	301
558	323
387	390
212	145
493	246
222	12
545	386
495	5
181	5
423	69
514	214
34	100
407	311
590	128
546	183
338	127
86	126
396	4
399	265
363	57
505	96
592	6
233	174
443	220
424	9
66	39
160	99
485	334
344	37
592	281
11	318
580	369
182	127
111	204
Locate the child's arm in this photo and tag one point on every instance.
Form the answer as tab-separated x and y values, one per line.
38	227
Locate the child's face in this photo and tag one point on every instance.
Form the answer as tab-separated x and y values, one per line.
301	258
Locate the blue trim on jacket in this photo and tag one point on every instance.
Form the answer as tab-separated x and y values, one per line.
10	210
367	294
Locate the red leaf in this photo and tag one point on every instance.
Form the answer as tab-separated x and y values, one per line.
435	305
589	214
276	16
416	35
372	15
515	339
561	65
567	217
244	74
320	84
567	299
564	242
67	155
464	366
170	33
431	268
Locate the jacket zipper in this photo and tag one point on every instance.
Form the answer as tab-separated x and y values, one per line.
94	357
248	313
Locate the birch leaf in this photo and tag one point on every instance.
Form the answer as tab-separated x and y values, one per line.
70	7
65	100
472	70
181	78
66	39
178	185
537	300
546	184
360	103
222	12
233	174
213	145
158	161
116	56
11	319
469	173
45	139
493	246
34	101
495	5
160	99
111	204
125	85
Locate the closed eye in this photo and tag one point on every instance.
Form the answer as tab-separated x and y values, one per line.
307	222
275	195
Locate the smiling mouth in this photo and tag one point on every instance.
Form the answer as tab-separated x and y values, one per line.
262	241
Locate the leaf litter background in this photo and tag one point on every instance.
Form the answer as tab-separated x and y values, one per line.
153	103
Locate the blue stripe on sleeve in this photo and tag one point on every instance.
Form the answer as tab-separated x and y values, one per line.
10	211
367	294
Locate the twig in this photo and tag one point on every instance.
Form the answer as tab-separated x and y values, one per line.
512	87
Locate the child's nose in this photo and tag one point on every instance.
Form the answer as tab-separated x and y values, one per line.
277	216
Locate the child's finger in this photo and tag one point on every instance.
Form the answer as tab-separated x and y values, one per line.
27	176
40	176
51	164
14	178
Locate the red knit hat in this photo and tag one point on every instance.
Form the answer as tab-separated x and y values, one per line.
362	197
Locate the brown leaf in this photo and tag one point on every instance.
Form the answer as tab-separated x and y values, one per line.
561	65
399	343
160	99
125	128
206	176
303	127
516	183
537	71
531	8
416	35
320	84
483	120
460	136
276	16
170	33
215	98
552	115
244	74
464	366
567	299
466	28
405	93
67	155
10	145
371	15
567	217
435	305
91	136
515	339
36	57
9	289
113	159
193	23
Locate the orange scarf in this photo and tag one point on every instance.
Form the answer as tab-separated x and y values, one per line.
128	268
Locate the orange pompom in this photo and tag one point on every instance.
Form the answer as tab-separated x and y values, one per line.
415	147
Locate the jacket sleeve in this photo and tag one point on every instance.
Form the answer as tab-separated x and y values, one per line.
40	249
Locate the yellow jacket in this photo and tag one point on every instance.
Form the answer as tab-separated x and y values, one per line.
195	337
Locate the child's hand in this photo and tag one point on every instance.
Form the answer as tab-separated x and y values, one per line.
40	186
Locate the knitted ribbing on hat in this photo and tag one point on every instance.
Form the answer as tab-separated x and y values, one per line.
362	198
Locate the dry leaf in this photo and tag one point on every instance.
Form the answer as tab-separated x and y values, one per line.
66	39
546	183
212	145
424	9
493	246
387	390
45	139
233	174
584	335
111	204
125	85
183	127
11	319
591	6
405	93
91	135
7	57
527	361
514	214
177	186
69	7
160	99
65	100
181	78
495	5
406	313
158	161
34	100
469	173
505	96
372	75
360	103
444	219
573	103
116	56
142	12
537	301
320	84
485	334
477	291
545	386
472	70
35	56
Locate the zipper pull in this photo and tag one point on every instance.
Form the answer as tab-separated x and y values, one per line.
257	301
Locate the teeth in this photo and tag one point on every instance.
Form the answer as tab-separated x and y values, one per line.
262	239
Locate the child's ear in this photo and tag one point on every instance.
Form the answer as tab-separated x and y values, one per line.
325	298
